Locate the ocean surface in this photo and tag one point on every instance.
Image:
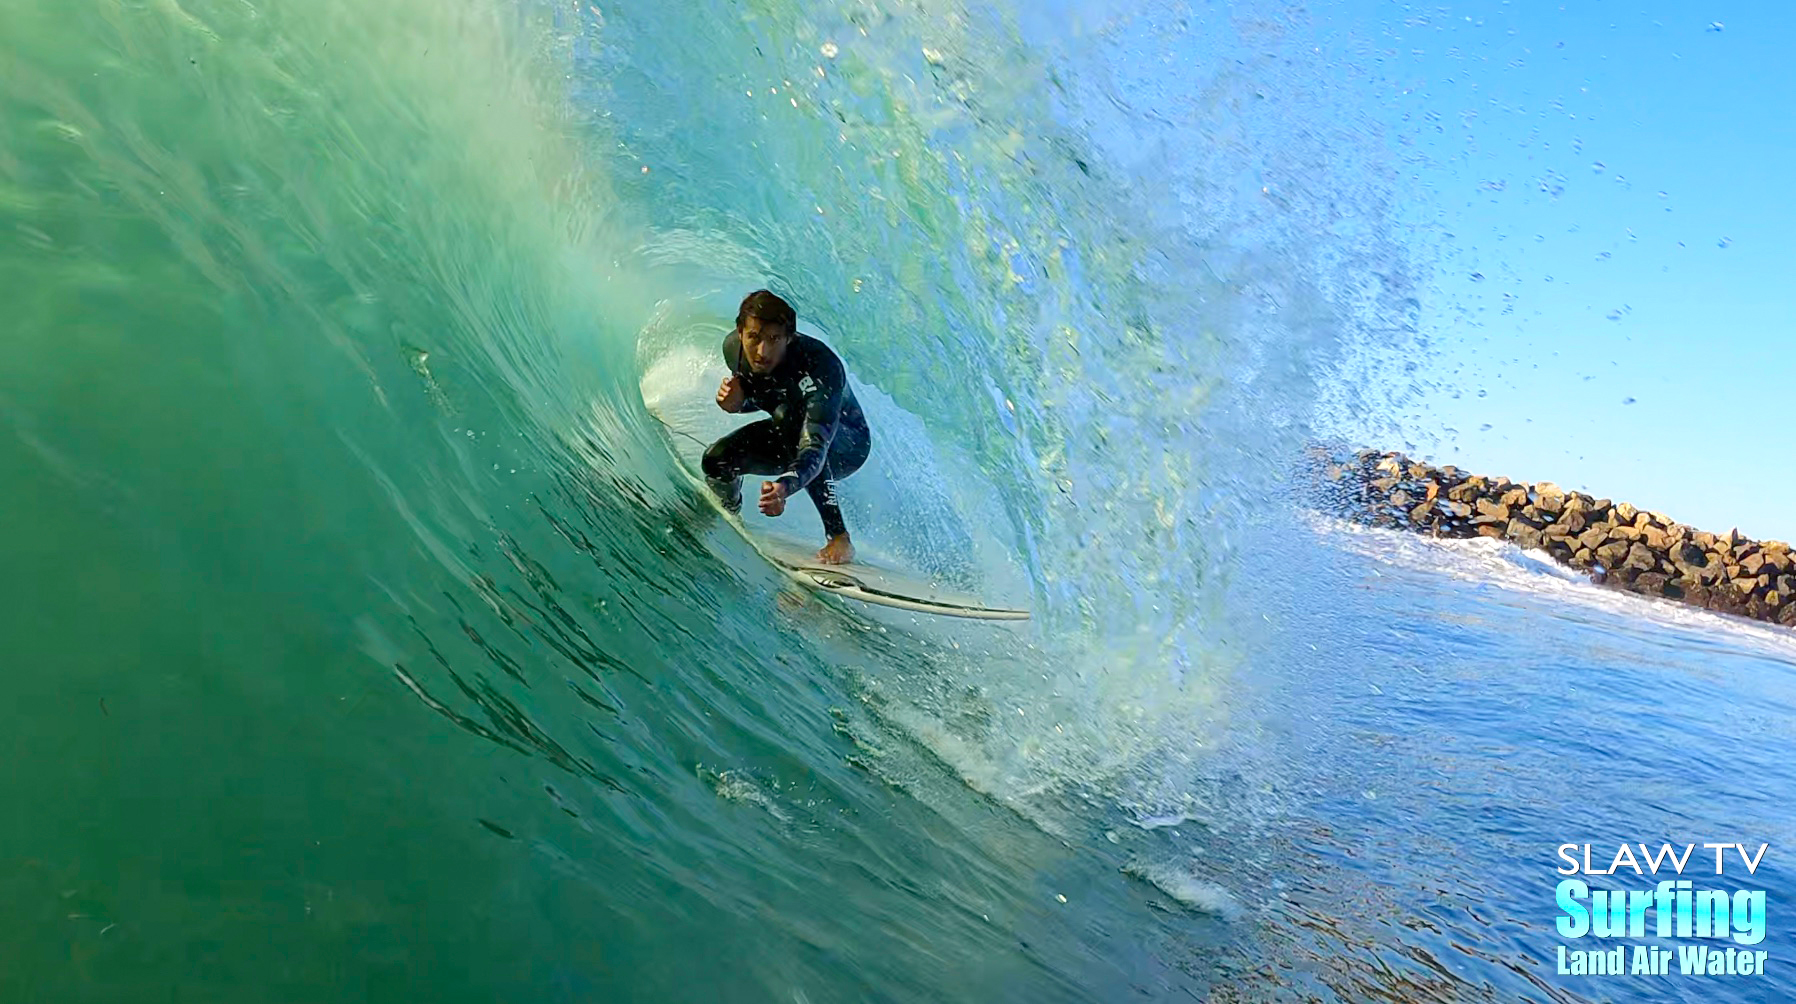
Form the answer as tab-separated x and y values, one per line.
365	642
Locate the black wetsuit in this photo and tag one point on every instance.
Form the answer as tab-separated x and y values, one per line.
816	437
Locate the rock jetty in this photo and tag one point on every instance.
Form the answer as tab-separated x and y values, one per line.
1620	545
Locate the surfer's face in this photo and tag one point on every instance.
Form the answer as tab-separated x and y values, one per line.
763	346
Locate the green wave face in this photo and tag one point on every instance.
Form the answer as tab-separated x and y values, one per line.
364	639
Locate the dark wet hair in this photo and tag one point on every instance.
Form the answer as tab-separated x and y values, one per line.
769	309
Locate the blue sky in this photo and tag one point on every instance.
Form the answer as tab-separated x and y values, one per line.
1616	302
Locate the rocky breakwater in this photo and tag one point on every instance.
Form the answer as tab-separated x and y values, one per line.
1618	544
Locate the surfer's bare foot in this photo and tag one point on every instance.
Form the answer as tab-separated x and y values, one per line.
839	551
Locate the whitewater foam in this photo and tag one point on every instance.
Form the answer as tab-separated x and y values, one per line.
1503	565
1184	886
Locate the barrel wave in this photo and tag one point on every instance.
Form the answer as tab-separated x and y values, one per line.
367	642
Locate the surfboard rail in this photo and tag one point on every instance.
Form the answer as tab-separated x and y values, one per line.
842	583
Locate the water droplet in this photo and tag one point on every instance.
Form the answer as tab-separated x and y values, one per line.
1477	276
1627	400
1724	242
1598	167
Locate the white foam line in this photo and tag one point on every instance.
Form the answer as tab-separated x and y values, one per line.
1504	565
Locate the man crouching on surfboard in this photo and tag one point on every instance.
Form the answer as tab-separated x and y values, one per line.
817	435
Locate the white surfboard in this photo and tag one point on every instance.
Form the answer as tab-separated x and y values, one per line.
866	580
871	582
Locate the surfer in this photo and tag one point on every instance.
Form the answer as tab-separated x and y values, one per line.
817	434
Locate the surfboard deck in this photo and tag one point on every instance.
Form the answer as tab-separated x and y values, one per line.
865	579
871	583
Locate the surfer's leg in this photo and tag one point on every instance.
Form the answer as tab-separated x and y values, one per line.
848	451
846	455
752	449
822	490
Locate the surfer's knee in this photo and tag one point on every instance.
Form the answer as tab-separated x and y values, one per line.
716	463
851	457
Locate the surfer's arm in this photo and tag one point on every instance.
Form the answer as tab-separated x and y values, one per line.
732	357
822	411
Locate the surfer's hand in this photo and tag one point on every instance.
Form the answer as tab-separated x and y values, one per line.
730	395
773	498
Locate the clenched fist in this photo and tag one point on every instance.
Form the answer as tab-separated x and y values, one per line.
730	394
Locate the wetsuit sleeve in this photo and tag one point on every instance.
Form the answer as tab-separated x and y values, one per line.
822	410
732	357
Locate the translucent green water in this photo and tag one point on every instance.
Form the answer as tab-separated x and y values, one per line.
362	641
